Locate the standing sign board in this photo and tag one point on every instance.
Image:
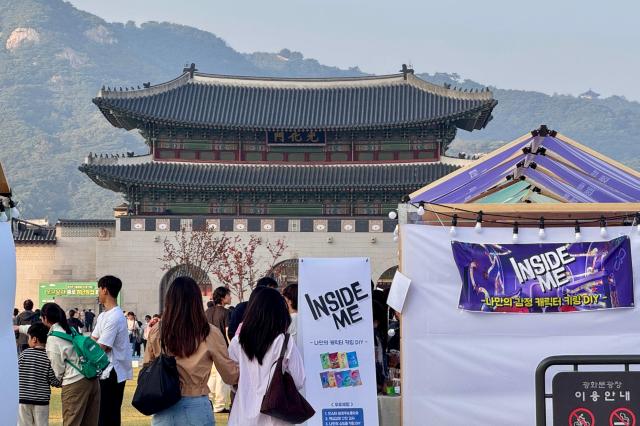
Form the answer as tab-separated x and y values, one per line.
596	397
336	321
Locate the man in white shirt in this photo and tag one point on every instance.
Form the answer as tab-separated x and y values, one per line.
111	333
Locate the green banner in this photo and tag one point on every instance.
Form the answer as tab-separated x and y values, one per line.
49	292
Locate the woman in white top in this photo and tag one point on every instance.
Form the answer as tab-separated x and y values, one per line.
290	294
256	349
80	396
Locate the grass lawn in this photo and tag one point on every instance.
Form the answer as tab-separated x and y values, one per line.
130	416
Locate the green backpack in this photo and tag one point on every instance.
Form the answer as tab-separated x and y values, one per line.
93	360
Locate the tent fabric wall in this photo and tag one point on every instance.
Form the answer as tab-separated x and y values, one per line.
8	355
471	368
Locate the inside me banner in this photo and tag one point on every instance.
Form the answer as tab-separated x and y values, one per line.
545	277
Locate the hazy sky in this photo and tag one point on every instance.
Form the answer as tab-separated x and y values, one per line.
564	46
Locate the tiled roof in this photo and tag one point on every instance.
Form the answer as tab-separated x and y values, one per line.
28	234
214	101
270	177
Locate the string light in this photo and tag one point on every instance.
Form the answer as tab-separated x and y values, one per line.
603	227
421	208
479	222
393	215
514	237
3	215
541	232
454	223
15	213
578	234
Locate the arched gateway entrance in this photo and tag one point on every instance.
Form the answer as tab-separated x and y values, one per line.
206	288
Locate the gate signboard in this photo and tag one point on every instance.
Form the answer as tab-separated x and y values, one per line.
590	398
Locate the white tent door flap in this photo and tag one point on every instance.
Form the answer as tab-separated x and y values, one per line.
463	368
8	355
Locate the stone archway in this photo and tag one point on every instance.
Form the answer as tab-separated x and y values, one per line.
206	288
384	282
285	272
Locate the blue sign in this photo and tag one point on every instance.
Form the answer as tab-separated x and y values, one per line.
310	137
343	416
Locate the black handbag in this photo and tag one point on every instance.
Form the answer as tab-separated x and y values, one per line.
282	399
158	385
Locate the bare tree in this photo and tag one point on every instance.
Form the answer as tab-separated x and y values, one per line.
200	252
239	269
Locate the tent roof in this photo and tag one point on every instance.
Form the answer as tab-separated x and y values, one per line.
541	167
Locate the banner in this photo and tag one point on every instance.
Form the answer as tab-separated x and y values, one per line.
545	277
336	324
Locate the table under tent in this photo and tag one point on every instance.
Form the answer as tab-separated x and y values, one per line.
474	329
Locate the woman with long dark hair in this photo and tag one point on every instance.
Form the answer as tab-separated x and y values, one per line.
80	396
256	349
185	334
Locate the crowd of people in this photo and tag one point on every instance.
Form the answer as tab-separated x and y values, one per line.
224	355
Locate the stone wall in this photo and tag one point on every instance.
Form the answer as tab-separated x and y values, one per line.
134	257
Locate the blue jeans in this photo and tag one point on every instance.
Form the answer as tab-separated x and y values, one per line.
189	411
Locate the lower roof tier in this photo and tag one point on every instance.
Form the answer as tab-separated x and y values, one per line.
144	172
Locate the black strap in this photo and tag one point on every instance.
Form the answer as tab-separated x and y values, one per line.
284	346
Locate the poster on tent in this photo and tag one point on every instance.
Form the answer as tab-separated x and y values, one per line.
561	277
336	321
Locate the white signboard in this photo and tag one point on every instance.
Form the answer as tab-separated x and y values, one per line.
336	320
8	355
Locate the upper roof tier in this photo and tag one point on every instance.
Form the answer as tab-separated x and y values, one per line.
225	102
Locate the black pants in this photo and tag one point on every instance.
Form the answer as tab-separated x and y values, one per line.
111	394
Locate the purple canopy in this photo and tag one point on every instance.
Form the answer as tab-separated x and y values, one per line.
566	171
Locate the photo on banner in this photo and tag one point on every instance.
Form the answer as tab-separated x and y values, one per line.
541	278
336	319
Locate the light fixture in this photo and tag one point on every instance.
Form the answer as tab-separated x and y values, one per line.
15	213
514	237
603	227
393	215
541	232
3	215
478	226
578	234
421	208
454	223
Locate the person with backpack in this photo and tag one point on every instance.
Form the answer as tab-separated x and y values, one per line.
113	337
80	395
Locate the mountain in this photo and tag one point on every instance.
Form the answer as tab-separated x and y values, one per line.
54	58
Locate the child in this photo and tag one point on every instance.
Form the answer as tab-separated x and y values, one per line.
36	376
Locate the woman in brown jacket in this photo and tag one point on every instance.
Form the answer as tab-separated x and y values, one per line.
186	334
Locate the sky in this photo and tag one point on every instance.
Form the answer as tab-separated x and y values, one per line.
559	46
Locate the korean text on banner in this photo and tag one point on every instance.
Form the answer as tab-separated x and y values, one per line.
560	277
335	314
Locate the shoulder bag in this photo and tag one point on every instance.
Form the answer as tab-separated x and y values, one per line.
158	385
282	399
